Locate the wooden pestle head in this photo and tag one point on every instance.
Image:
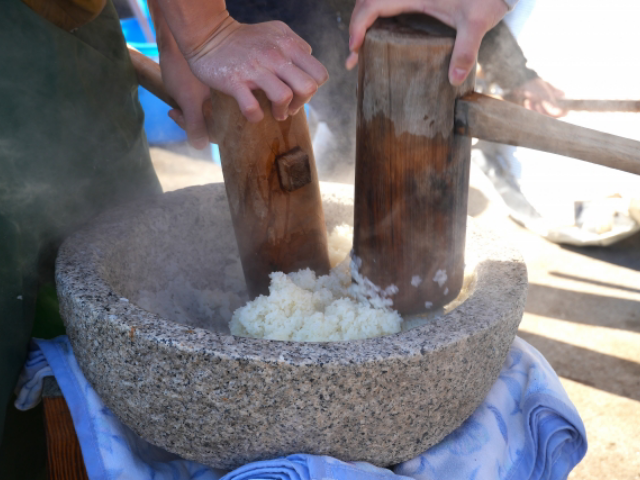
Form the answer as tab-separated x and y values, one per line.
412	171
273	191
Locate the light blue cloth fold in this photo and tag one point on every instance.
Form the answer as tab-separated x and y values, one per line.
311	467
527	428
29	386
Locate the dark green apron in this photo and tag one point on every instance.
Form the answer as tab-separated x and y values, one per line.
71	145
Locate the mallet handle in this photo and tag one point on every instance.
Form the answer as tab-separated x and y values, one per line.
498	121
589	105
150	77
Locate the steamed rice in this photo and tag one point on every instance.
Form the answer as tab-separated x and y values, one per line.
304	307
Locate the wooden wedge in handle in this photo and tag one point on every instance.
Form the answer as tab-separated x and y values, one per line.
487	118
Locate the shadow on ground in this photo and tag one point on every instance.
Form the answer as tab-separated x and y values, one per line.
625	253
585	308
604	372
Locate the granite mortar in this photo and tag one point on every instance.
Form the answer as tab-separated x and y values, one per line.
224	400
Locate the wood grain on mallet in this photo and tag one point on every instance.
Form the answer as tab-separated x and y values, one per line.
277	229
412	171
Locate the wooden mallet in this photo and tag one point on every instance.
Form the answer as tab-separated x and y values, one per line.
271	181
413	152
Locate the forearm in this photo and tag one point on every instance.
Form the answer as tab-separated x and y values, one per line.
187	91
164	37
502	59
192	22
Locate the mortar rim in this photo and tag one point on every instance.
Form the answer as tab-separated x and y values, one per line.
152	328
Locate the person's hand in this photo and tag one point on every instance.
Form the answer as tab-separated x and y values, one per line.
471	18
238	58
539	96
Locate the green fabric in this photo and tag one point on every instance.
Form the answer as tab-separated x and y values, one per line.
71	145
47	322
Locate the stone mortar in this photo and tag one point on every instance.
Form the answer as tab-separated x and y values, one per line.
224	400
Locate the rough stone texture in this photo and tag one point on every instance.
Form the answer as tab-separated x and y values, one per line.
225	400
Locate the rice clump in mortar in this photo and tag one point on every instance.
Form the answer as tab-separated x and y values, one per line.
304	307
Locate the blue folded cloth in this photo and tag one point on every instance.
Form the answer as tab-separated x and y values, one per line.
311	467
30	382
527	428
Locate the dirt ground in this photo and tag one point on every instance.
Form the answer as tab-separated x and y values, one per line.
583	309
582	313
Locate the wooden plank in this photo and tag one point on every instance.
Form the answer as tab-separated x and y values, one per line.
412	171
498	121
64	457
